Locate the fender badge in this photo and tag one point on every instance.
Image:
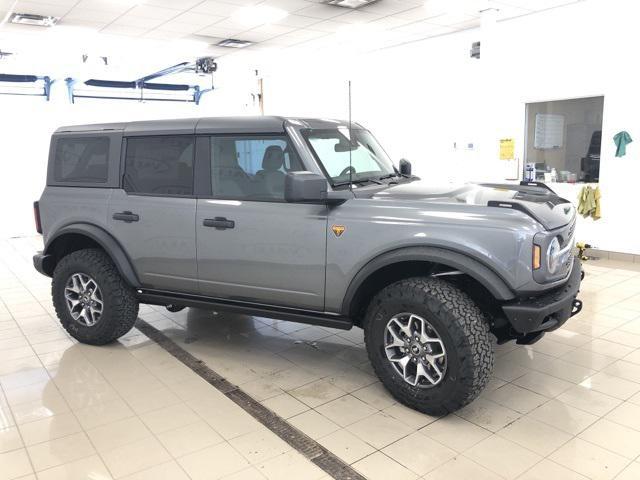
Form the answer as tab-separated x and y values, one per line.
338	229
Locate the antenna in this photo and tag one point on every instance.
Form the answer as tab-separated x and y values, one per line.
350	142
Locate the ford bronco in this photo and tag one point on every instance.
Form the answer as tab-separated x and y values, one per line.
305	220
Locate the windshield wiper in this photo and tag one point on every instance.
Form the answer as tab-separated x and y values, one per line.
391	175
358	181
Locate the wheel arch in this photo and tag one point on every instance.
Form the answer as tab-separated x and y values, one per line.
394	265
78	236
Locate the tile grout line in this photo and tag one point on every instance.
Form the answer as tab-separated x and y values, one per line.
309	448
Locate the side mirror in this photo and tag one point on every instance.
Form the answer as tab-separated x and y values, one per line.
305	187
405	167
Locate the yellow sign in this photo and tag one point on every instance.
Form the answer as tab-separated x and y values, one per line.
507	149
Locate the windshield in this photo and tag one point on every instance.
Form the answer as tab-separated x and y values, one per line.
336	153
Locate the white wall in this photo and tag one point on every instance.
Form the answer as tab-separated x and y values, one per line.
420	98
26	125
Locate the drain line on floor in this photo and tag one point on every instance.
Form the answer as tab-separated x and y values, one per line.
312	450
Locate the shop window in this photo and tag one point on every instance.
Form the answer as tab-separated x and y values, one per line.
563	140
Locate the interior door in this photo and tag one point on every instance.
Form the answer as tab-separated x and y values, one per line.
153	215
253	246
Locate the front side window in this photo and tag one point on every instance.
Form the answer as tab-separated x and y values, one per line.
81	159
359	160
160	165
251	168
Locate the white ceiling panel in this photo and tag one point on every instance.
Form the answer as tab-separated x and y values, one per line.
297	21
309	23
418	13
119	6
389	7
220	30
387	23
358	17
124	30
452	19
138	22
177	4
180	27
158	34
323	12
214	7
535	5
159	13
41	8
292	6
90	15
329	26
266	31
197	19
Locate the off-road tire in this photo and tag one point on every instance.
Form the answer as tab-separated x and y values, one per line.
461	327
120	309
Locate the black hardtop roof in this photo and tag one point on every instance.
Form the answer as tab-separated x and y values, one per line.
244	124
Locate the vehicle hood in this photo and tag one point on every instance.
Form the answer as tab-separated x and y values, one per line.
536	201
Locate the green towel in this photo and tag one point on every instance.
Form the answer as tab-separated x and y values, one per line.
622	139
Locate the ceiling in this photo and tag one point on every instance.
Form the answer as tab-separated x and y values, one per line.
307	24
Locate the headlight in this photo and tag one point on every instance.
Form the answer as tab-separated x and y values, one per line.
553	256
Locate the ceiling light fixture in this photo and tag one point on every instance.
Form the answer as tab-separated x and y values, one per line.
258	15
234	43
350	3
34	20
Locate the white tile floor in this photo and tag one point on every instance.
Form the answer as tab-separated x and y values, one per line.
567	407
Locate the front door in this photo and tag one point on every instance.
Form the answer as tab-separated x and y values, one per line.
252	245
153	215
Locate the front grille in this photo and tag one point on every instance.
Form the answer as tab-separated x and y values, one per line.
567	234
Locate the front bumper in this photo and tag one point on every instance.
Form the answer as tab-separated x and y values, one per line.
548	311
41	262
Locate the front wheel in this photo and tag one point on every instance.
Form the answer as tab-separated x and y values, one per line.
429	344
93	302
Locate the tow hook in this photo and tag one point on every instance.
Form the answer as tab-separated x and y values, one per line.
576	307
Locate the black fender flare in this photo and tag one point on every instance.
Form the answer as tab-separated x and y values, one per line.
460	261
106	241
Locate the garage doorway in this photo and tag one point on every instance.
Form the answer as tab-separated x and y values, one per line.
563	140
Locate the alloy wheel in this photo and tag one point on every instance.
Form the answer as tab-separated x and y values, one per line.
415	350
84	299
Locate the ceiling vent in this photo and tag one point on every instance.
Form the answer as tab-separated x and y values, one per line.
35	20
233	43
350	3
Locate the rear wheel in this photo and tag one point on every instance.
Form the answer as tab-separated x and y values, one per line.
429	344
91	299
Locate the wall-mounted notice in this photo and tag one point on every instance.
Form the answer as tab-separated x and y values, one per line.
549	132
507	149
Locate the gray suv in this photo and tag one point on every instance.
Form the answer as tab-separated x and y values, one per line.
305	220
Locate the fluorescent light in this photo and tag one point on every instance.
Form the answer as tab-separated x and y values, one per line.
350	3
258	15
233	43
35	20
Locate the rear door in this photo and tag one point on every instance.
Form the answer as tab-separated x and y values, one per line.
153	214
252	245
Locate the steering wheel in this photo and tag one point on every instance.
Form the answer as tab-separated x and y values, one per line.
347	170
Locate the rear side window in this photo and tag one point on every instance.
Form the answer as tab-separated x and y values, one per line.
81	159
159	165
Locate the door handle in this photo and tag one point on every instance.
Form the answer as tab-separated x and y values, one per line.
219	223
126	216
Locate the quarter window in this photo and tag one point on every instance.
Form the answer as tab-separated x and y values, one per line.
81	159
251	168
159	165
